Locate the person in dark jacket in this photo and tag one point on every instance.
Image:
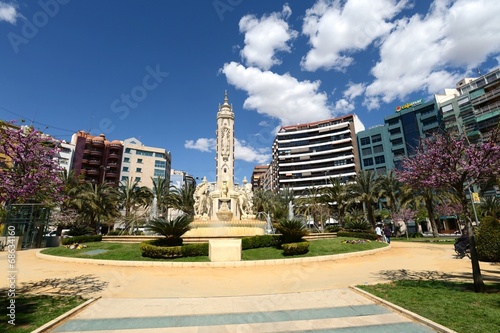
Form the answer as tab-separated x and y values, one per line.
461	244
387	233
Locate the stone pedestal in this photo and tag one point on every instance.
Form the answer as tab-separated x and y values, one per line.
224	250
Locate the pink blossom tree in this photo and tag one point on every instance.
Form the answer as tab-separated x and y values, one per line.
452	163
30	172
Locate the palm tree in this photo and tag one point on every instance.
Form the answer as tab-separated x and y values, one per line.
131	198
336	197
366	189
490	206
182	199
172	230
96	203
161	192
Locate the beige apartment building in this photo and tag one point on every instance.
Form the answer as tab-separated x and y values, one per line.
144	163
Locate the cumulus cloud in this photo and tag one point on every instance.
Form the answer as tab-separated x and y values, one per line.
264	37
8	12
201	144
335	32
280	97
242	150
426	53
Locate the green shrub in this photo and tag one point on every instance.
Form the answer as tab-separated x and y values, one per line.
361	225
158	248
195	250
415	235
488	240
114	233
291	231
291	249
255	242
363	235
333	228
80	230
81	239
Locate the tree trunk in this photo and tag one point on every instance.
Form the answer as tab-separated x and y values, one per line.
479	286
430	210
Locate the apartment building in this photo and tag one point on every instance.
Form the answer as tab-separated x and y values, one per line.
144	163
307	155
258	175
66	153
97	159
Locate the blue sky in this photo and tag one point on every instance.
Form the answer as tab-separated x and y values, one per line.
157	70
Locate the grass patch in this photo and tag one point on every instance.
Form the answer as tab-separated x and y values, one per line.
434	240
33	311
131	251
451	304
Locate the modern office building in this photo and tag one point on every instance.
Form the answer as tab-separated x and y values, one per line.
383	147
305	156
97	159
144	163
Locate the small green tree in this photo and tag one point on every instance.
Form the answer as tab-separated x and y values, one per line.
488	240
172	230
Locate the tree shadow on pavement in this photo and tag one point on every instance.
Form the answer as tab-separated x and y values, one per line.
82	285
404	274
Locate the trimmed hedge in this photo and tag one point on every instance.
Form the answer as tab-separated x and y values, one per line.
156	249
81	239
255	242
363	235
488	240
290	249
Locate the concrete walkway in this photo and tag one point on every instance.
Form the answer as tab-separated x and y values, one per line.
300	297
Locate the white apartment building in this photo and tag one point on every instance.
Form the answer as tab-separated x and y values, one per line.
66	153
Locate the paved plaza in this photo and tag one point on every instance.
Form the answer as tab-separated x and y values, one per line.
303	296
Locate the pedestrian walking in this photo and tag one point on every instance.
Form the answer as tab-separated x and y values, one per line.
387	233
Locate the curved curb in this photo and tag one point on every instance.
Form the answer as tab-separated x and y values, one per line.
246	263
64	316
429	323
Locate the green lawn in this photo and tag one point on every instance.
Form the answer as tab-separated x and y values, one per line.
451	304
126	251
33	311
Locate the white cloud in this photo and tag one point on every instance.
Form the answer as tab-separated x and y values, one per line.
8	12
424	53
201	144
264	37
281	97
242	150
335	32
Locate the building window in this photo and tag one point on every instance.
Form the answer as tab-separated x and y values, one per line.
144	153
160	164
159	173
378	149
124	178
368	161
398	141
126	159
128	151
138	170
138	179
125	169
160	155
139	160
395	131
366	151
379	159
376	138
365	141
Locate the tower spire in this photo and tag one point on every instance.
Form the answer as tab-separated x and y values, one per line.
225	97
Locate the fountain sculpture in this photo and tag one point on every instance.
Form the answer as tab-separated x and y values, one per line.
224	208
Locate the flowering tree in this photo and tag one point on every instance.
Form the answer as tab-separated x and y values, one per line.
446	162
30	174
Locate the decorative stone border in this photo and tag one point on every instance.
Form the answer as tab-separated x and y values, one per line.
245	263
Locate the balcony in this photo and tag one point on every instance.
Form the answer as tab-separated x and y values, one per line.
93	172
94	162
85	161
113	155
96	153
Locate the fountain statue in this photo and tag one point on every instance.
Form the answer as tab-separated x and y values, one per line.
224	208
